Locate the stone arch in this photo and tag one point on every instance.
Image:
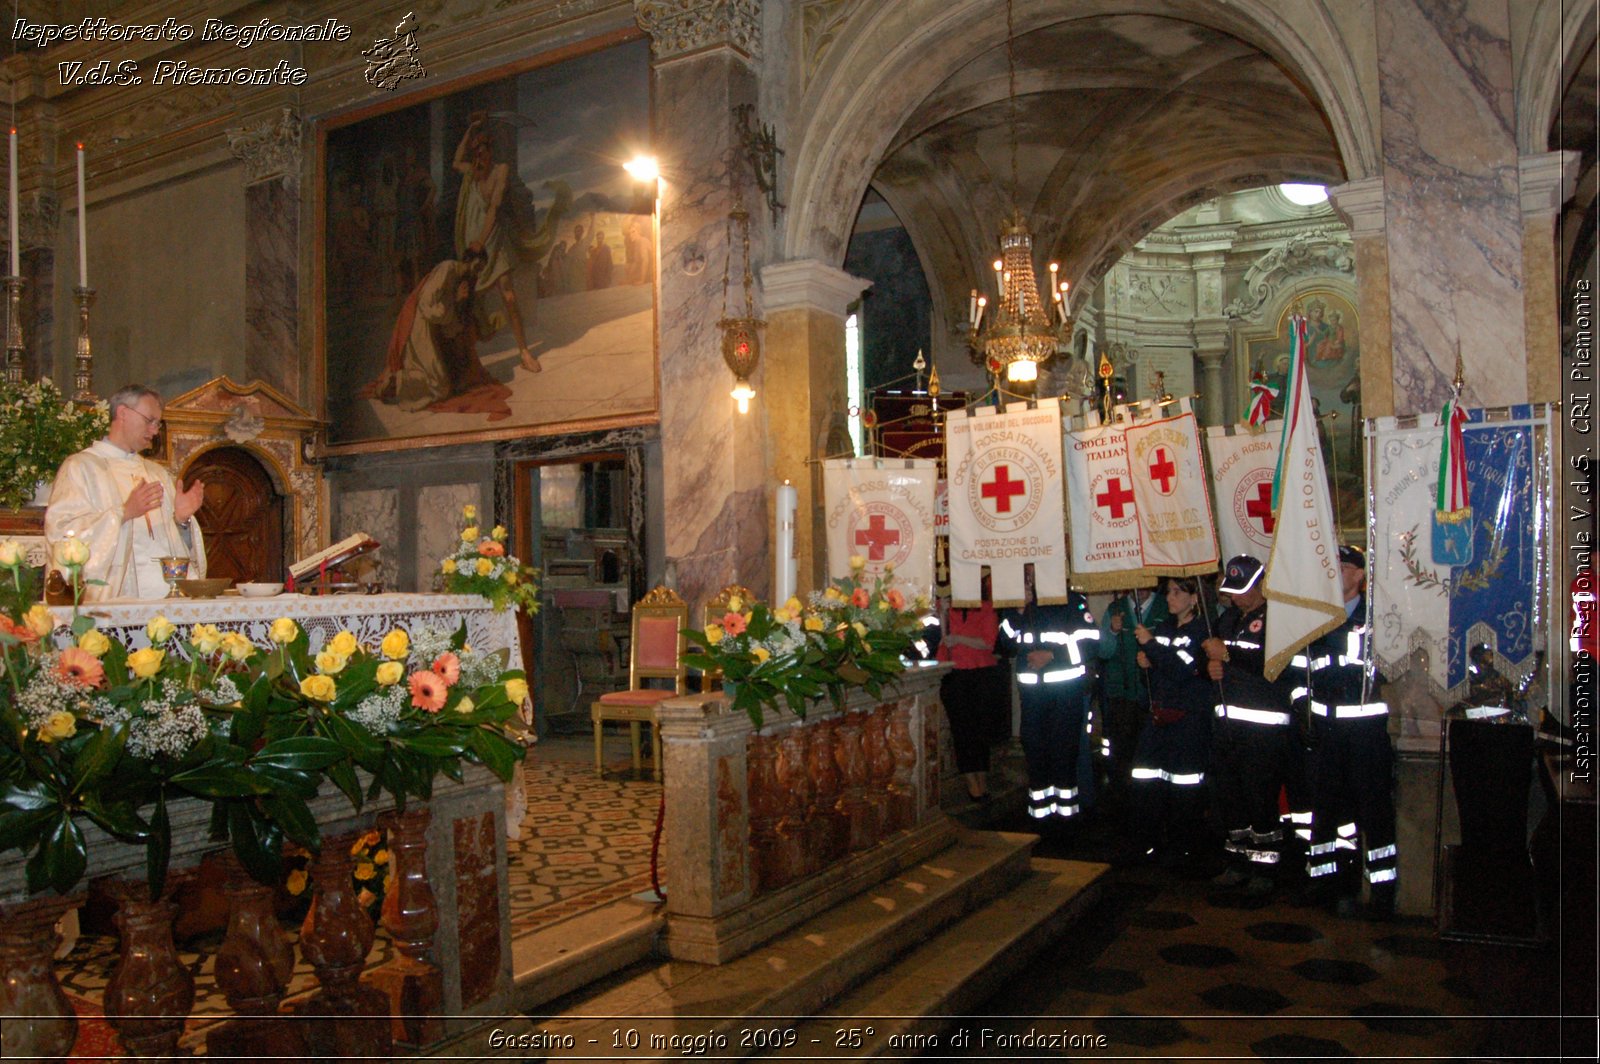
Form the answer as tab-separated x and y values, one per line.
1554	44
892	56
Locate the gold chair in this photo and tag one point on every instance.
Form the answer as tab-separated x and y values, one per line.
715	607
655	652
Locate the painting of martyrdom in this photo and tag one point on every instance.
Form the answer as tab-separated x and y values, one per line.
1333	364
489	268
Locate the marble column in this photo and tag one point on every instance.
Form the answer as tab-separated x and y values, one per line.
1212	386
713	458
1450	177
806	302
1360	206
1547	182
270	151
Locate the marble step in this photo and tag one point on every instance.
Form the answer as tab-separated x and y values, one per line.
660	1007
553	961
911	1006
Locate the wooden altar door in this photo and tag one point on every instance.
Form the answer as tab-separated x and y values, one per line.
242	516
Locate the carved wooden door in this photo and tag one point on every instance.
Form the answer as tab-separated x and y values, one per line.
242	517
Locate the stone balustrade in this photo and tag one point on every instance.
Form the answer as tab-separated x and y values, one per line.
446	910
767	828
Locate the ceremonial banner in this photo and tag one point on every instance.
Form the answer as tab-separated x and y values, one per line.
1104	524
1242	466
1006	502
1497	597
1302	580
881	509
1176	532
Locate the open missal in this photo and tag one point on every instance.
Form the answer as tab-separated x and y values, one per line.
344	550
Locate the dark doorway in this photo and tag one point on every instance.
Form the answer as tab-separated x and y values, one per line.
242	517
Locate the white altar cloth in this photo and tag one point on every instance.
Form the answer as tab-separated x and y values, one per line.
368	617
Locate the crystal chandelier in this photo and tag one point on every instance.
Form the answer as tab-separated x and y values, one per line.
1020	333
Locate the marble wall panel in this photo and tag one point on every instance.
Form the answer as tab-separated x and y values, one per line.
377	513
477	907
438	525
1451	187
272	221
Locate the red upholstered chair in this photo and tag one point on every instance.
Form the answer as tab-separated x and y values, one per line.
656	652
714	609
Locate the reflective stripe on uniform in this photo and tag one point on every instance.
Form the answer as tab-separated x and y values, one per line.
1383	875
1370	709
1327	869
1381	852
1180	779
1252	716
1053	675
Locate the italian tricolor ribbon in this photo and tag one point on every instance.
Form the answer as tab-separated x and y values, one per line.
1262	393
1452	497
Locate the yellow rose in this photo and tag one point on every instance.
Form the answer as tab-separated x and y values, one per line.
485	566
319	688
469	512
71	553
466	705
59	725
381	857
794	606
283	631
206	638
511	576
296	882
237	646
95	642
517	690
344	643
469	534
390	672
762	654
861	629
735	604
833	594
11	554
782	615
396	645
713	634
813	624
499	534
331	663
448	565
857	563
147	662
39	620
365	871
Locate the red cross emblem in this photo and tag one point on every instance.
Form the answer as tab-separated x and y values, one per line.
1162	470
1260	507
1114	498
876	536
1002	489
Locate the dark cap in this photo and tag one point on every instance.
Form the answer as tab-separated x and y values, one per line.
1240	576
1355	556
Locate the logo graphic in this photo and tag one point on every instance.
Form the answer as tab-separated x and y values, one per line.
882	533
1113	500
1005	490
1163	471
392	60
1252	506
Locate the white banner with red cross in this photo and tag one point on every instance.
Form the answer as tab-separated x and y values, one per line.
1105	550
1243	461
1006	502
882	510
1169	487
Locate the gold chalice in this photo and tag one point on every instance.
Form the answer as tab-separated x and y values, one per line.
173	568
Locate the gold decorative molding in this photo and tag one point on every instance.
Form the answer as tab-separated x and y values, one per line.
270	149
661	597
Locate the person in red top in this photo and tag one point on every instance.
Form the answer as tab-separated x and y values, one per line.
974	690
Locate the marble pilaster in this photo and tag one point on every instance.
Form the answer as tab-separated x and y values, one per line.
1360	206
806	302
713	458
1454	227
1547	182
271	153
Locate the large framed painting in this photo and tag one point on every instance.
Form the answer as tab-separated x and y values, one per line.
1333	365
487	267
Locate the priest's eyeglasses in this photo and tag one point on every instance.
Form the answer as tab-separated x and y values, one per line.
153	422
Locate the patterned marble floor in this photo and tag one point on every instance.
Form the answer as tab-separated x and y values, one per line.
585	842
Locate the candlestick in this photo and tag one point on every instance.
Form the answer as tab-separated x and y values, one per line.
83	227
83	374
784	565
11	203
14	347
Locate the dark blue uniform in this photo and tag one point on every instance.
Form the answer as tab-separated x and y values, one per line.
1055	703
1169	765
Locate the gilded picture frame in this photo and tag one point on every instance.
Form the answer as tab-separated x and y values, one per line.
485	268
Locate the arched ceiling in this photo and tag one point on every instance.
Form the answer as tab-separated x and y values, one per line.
1122	121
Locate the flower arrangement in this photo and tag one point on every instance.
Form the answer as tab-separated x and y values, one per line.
371	877
851	634
91	730
39	428
480	566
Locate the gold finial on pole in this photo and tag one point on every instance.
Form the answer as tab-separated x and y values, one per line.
1106	372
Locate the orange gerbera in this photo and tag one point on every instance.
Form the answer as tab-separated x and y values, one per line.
490	549
734	623
448	668
20	632
428	691
859	597
79	667
897	601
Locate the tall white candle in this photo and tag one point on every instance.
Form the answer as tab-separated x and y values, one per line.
785	570
11	203
83	227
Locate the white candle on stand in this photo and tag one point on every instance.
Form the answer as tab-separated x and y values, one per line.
784	566
83	227
16	267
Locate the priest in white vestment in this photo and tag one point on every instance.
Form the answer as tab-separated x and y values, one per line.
125	507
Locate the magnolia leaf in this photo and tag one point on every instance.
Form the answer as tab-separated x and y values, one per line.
434	743
99	755
219	778
257	841
304	752
343	775
294	817
61	858
119	818
158	846
498	753
15	796
20	829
